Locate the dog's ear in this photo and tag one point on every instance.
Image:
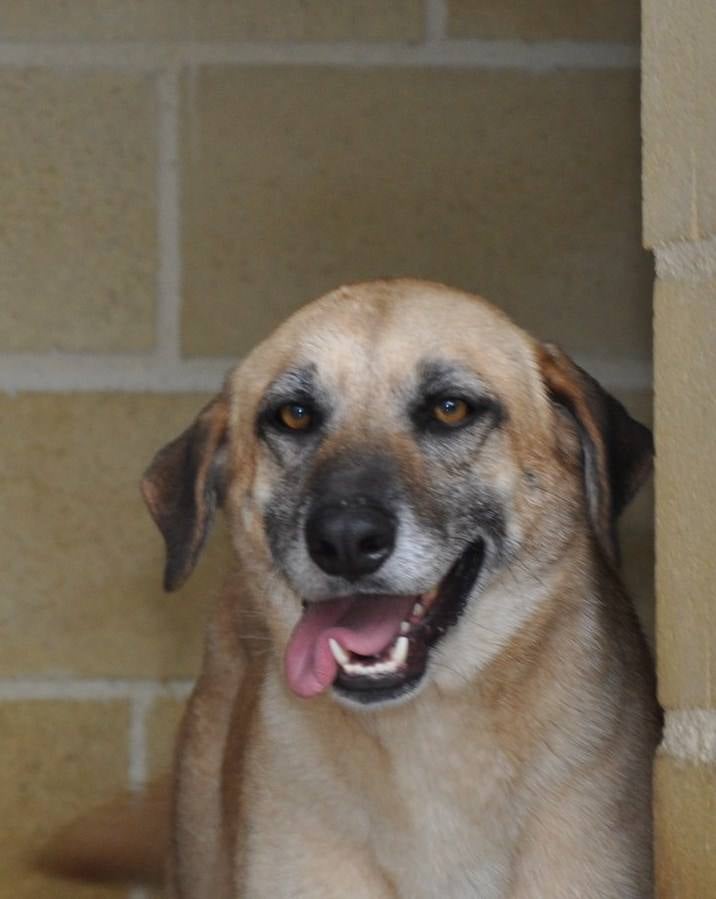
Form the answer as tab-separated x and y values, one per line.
617	451
183	486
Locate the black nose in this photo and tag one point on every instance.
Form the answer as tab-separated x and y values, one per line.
350	540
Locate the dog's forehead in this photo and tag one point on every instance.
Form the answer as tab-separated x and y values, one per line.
380	334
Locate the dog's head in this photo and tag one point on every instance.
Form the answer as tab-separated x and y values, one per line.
404	472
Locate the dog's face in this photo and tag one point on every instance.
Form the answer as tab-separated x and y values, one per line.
401	476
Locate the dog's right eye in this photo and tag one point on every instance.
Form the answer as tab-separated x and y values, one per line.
295	416
451	411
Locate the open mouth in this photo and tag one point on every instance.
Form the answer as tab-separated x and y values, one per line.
375	648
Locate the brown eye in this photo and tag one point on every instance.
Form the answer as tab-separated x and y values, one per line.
451	411
295	416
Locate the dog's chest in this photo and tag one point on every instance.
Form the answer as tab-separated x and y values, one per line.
444	821
425	803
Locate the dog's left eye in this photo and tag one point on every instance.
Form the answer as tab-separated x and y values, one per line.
295	416
451	411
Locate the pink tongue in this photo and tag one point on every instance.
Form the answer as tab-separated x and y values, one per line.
365	626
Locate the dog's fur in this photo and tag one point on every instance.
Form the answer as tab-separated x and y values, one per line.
521	766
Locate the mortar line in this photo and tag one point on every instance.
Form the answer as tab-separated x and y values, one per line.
690	735
475	53
98	689
436	16
168	303
69	372
140	706
693	261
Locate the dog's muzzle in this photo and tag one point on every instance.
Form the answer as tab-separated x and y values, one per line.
374	648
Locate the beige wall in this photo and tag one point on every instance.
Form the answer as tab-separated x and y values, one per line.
680	225
179	174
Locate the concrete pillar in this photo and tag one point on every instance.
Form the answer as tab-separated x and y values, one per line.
679	120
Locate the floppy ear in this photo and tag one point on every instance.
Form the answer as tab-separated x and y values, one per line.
617	451
183	486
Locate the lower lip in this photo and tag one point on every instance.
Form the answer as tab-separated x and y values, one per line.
368	690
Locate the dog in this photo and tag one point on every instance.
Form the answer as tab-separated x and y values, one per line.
424	678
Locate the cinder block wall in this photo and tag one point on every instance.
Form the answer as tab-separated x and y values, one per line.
176	176
680	225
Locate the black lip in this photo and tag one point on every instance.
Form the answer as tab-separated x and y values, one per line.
454	592
391	687
456	586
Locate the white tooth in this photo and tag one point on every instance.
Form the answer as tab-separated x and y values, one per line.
384	668
404	627
399	653
339	654
418	610
356	668
375	670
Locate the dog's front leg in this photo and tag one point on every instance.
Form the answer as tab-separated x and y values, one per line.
199	866
310	864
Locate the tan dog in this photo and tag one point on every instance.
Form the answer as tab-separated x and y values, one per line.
425	679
